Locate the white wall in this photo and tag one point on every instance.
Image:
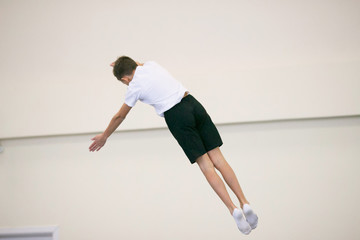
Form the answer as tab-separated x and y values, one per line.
259	61
300	176
278	60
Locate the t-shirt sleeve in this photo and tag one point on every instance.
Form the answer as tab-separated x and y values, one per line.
132	95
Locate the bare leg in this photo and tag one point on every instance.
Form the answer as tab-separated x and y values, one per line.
228	174
207	167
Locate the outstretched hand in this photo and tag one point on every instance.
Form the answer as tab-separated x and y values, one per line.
99	142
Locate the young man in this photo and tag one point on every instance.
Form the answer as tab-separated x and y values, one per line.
188	122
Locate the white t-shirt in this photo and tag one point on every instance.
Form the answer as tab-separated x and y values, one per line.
153	85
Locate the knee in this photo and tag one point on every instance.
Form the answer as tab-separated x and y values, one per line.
216	158
205	164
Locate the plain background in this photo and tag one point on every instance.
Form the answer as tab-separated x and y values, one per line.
280	79
262	60
301	177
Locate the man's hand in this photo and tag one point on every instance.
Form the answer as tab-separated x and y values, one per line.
99	142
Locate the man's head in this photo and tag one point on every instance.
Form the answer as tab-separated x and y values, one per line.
123	69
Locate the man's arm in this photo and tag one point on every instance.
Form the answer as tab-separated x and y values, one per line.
100	140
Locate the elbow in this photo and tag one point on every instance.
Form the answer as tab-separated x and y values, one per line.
119	117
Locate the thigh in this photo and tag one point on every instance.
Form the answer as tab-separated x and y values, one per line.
207	130
209	134
216	157
182	125
205	163
190	141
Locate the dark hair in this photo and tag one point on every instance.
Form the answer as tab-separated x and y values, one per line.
124	66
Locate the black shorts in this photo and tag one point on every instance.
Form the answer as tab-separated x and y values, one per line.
192	127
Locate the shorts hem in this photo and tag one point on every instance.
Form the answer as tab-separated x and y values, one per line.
193	160
215	146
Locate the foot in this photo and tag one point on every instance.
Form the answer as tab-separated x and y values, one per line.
250	216
241	222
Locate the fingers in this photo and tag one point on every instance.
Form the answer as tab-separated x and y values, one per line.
92	145
98	143
95	146
92	148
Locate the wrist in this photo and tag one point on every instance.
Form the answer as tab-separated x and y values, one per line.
105	135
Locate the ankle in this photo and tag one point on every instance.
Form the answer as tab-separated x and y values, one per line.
231	209
243	203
